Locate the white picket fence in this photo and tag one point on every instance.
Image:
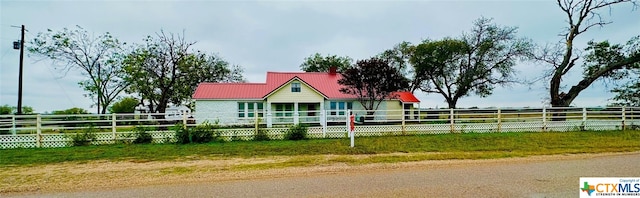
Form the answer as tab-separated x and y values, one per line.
35	131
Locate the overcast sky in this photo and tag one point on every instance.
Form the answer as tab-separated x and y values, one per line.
266	36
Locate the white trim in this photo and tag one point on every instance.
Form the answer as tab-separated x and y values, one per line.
291	80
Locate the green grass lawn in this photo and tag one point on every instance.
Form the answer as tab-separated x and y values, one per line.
419	147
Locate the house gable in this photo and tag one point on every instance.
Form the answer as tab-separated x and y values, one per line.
285	94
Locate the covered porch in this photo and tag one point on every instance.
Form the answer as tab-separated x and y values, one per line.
285	113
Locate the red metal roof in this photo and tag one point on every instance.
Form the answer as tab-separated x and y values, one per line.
325	83
406	96
230	91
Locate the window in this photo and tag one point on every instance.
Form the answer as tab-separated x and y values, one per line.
251	109
248	109
260	109
284	110
295	87
337	108
241	110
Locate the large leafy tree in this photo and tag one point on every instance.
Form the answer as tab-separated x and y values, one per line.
372	81
165	70
97	57
124	105
473	64
319	63
603	60
399	57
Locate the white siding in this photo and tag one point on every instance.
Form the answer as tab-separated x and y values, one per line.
216	111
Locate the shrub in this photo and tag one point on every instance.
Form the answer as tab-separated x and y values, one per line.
297	132
261	132
261	135
203	133
142	136
182	134
84	138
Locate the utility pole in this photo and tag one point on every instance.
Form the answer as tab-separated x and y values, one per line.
20	73
99	89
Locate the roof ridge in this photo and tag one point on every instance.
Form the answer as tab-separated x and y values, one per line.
302	72
232	83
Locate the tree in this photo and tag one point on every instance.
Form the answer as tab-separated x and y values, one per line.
372	81
473	64
73	121
399	57
124	105
8	110
70	111
165	70
562	57
98	58
319	63
627	94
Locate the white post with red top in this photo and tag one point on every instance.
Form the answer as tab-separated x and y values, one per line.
351	126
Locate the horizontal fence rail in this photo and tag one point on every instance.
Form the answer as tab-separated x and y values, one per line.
29	131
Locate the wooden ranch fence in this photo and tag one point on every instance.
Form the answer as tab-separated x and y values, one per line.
31	131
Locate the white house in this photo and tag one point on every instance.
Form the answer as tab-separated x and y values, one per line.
287	98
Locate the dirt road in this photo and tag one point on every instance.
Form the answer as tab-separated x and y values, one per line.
542	176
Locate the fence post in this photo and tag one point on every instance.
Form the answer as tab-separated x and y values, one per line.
404	130
584	118
257	122
346	115
39	131
499	120
624	115
419	114
13	124
544	118
451	119
113	127
323	121
184	118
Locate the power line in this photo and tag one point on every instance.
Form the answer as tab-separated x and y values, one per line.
58	83
5	53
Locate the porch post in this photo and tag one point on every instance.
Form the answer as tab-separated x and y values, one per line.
419	113
323	119
268	116
296	114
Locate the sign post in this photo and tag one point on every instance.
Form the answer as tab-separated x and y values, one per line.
351	126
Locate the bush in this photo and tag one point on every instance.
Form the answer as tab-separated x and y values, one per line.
84	138
142	136
261	135
297	132
182	134
203	133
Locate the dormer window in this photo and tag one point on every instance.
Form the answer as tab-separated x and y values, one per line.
295	87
